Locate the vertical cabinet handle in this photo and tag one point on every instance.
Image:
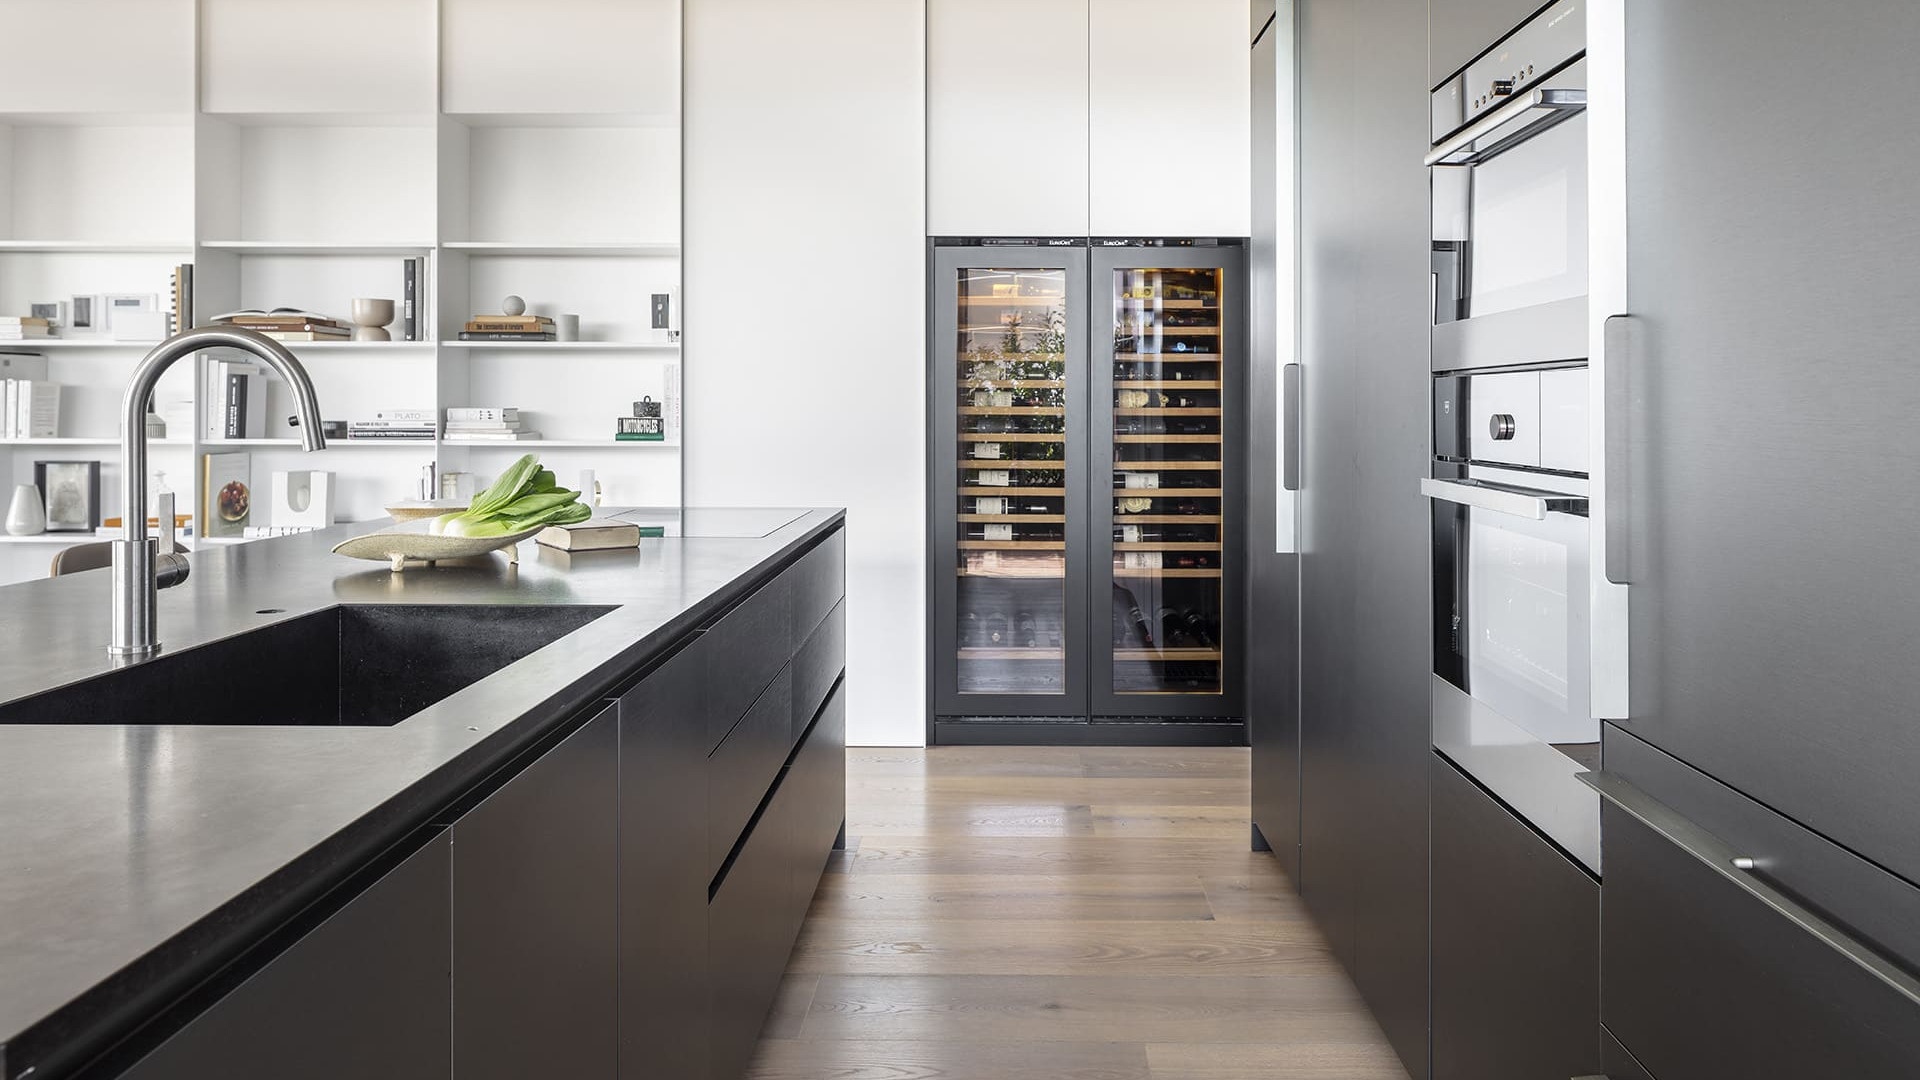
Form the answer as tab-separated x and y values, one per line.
1290	427
1616	378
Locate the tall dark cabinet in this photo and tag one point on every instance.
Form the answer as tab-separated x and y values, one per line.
1086	484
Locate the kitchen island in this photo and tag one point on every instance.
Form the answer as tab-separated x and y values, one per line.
561	817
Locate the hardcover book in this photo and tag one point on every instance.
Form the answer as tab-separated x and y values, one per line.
594	534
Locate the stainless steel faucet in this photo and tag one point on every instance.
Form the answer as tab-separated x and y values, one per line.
140	569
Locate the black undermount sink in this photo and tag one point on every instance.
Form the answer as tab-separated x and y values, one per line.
366	665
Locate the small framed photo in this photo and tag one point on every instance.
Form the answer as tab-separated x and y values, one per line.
70	491
115	304
86	317
54	311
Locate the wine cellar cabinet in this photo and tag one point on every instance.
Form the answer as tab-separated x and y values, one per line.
1084	477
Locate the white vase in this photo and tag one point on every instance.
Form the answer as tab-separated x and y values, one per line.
26	517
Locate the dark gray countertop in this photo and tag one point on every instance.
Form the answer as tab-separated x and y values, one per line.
131	853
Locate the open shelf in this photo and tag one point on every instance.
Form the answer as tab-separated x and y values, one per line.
561	444
603	249
86	441
568	346
399	249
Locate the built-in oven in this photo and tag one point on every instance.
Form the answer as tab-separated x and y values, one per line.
1513	624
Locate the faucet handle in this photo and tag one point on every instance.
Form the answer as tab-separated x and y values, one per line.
163	508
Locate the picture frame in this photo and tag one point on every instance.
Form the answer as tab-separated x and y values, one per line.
54	311
226	494
87	316
70	494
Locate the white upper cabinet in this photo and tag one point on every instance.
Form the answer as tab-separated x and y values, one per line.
562	56
1087	117
317	56
98	56
1007	117
1168	115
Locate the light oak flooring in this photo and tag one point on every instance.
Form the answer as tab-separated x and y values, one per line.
1060	914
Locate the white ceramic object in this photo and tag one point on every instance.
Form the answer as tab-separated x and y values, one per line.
513	305
371	317
566	328
26	516
412	543
301	497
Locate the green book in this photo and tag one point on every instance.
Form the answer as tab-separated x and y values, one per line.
635	436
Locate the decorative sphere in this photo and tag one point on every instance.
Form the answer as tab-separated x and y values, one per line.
513	305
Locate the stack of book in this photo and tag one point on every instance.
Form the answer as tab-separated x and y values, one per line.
23	327
508	328
395	424
29	405
486	423
289	324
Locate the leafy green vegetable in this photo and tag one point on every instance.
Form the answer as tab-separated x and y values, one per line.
526	496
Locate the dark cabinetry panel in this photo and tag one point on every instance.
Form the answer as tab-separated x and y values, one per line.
664	871
1702	980
817	666
744	651
534	910
1365	281
1516	945
363	994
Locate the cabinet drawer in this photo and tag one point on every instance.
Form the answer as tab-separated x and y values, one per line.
1704	980
816	791
745	765
750	930
819	581
1516	951
744	651
362	994
816	666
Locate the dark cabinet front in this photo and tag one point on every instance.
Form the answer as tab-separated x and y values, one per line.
363	994
664	871
1516	949
534	915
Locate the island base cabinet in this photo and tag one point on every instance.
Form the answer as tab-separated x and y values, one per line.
535	872
1516	950
363	994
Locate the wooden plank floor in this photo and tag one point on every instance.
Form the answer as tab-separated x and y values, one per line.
1060	914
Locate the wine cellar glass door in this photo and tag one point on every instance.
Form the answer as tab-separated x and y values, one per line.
1168	357
1009	362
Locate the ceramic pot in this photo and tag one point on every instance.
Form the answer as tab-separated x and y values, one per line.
26	516
370	318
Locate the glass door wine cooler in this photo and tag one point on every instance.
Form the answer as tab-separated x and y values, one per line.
1081	418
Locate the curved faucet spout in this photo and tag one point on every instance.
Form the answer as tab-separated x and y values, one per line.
135	578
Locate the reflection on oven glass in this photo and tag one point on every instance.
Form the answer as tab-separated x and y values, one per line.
1525	608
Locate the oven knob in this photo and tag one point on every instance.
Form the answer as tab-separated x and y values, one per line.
1500	426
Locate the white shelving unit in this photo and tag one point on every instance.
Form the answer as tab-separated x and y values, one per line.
295	159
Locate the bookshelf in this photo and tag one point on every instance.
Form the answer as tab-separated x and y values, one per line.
142	134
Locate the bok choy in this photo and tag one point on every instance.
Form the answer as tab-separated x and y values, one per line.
525	496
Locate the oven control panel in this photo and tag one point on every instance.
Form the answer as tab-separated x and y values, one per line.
1541	47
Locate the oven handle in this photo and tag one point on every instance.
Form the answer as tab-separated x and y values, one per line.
1501	499
1561	102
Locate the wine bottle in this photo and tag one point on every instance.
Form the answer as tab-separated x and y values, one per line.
998	630
1199	628
1026	632
1173	628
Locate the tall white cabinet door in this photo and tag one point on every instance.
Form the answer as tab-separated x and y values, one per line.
1007	117
1168	114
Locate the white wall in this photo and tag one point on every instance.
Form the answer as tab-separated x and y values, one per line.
804	305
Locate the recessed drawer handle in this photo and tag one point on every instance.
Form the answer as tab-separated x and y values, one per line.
1723	860
1501	499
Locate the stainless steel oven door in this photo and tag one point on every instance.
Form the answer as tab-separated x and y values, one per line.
1511	643
1509	237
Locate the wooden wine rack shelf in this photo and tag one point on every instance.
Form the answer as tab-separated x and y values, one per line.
1022	492
1175	331
1166	519
1013	436
1011	301
1163	466
1013	545
1013	410
1166	384
1161	303
987	653
1168	545
1167	572
1166	358
1012	384
1167	439
1194	412
1021	519
1167	654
